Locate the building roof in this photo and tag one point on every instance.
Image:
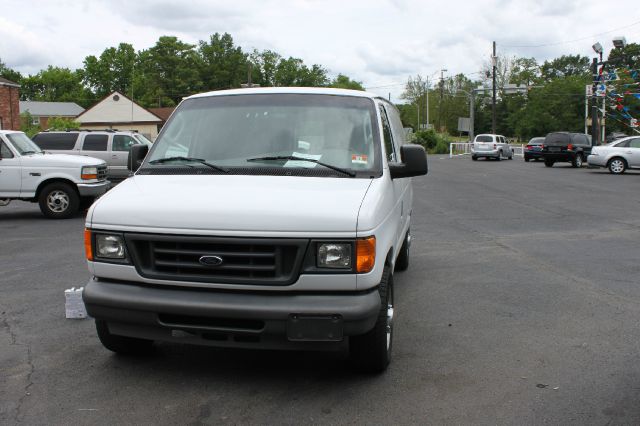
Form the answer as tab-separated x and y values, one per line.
51	109
5	82
117	108
163	112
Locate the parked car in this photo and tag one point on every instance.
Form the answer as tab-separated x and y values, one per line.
533	150
617	156
615	136
60	184
491	146
289	212
566	147
109	145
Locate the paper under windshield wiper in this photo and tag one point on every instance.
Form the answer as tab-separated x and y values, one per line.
195	160
311	160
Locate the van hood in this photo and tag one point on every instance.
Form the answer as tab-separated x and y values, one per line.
232	203
59	160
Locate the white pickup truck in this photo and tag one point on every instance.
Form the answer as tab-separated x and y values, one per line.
61	184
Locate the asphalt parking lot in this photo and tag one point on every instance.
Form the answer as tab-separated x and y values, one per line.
521	306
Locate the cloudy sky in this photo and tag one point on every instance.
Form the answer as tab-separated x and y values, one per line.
378	42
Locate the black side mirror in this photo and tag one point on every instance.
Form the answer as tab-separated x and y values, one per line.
414	162
136	156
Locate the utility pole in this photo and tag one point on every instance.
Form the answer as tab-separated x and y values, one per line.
427	108
472	106
442	71
249	75
494	62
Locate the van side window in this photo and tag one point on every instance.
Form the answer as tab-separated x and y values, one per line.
56	141
95	143
5	152
122	143
386	134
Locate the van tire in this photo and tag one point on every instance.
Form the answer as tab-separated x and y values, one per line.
371	352
121	344
59	200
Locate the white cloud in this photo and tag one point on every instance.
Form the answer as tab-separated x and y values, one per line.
379	42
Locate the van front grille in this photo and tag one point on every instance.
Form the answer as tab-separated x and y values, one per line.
248	261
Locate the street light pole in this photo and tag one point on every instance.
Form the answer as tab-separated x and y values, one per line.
594	103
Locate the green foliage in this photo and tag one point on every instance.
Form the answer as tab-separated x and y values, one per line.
222	64
26	124
433	142
9	74
565	66
344	82
56	84
112	71
62	123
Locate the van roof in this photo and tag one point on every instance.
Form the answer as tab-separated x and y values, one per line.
288	90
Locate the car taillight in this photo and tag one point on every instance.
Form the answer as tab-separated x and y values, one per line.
494	146
528	148
570	147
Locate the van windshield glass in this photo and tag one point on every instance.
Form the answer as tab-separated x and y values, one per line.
230	130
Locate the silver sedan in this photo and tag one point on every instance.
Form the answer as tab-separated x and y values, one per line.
617	156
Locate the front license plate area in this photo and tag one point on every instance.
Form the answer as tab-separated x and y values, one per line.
307	328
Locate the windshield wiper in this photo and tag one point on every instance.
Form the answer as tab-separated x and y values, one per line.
311	160
195	160
29	152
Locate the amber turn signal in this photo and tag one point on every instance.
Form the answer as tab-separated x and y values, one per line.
365	254
88	249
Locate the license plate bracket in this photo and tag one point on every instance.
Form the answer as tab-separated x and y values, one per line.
315	328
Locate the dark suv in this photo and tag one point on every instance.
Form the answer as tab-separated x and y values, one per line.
566	147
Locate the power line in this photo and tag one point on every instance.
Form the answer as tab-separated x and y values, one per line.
571	41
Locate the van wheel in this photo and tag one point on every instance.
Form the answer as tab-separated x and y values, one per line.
58	200
121	344
402	262
371	352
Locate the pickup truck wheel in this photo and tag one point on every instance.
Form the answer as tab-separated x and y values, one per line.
617	166
59	200
548	163
121	344
577	161
371	352
402	262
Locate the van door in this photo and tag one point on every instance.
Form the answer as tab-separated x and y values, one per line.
120	147
403	186
10	172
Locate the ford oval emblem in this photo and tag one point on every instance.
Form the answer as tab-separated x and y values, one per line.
211	260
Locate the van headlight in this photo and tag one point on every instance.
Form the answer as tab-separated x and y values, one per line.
110	246
334	255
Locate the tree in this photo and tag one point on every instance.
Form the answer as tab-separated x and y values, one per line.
344	82
9	74
223	65
112	71
56	84
264	67
26	124
168	72
525	71
62	123
565	66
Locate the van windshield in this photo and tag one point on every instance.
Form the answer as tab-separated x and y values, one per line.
239	131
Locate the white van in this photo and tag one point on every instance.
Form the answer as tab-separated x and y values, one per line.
260	218
491	146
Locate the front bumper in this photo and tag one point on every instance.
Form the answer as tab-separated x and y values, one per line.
93	189
232	319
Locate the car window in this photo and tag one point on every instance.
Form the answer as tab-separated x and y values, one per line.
123	143
622	144
634	143
5	152
56	141
386	135
95	143
484	138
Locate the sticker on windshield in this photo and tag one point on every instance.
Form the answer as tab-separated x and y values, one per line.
359	159
305	164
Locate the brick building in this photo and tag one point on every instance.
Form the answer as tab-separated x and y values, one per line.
9	105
